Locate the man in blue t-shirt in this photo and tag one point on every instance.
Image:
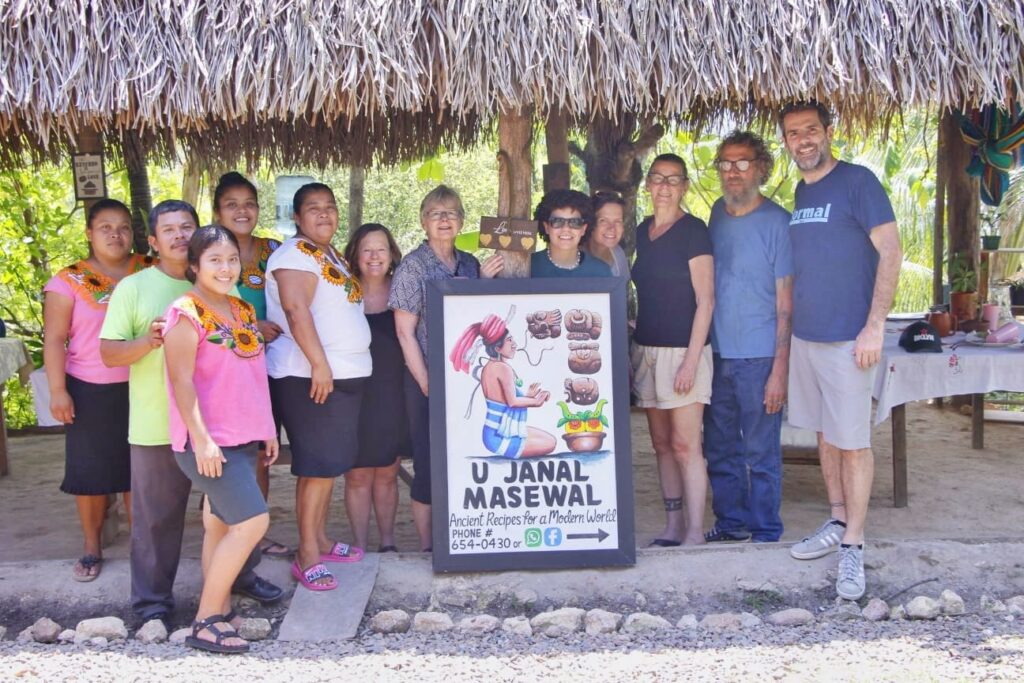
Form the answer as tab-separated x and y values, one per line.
750	336
846	259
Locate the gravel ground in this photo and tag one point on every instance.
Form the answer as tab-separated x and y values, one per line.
972	647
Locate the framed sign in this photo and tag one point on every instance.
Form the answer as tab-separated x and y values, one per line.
529	424
509	234
90	180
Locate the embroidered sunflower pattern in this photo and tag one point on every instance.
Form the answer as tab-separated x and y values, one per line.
239	334
93	286
331	273
254	274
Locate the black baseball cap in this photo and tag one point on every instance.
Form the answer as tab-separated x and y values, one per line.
921	336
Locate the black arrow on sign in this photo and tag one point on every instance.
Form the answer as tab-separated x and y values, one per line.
600	536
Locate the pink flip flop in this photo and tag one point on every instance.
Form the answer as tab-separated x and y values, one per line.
309	576
343	552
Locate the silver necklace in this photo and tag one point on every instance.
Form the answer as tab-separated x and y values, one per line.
579	257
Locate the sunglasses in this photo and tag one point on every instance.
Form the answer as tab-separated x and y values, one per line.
561	222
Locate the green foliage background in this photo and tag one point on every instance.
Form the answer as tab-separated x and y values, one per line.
41	228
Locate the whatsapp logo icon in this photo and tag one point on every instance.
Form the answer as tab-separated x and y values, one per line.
533	537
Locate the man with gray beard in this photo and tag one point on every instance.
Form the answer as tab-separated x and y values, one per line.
750	338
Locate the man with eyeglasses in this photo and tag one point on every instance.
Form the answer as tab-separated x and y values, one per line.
750	337
846	263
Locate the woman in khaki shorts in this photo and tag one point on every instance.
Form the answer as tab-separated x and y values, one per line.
675	284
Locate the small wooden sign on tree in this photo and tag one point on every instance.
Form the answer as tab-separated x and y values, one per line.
508	234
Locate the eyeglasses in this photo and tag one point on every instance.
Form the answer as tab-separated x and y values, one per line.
670	180
444	215
562	222
741	165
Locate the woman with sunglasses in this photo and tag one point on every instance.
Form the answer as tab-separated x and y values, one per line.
564	216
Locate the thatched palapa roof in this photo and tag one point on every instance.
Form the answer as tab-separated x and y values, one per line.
349	80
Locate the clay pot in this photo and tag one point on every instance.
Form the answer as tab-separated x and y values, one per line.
963	305
584	442
943	322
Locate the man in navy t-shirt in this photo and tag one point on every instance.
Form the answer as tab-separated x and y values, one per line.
846	258
750	334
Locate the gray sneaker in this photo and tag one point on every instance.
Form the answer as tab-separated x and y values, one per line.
822	542
850	583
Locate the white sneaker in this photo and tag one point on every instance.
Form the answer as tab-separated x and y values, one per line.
850	581
822	542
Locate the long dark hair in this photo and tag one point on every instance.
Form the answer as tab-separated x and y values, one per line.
103	205
202	239
352	248
229	180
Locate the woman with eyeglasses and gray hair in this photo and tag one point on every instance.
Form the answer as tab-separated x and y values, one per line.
436	258
671	358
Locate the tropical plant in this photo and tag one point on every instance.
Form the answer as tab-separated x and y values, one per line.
962	276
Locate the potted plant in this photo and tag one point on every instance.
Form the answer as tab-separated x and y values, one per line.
963	287
1016	282
990	230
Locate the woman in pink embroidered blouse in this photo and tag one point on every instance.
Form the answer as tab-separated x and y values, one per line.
87	396
219	411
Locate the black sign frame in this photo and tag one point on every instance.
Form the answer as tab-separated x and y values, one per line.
624	554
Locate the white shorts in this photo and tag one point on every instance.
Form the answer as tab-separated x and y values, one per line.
828	393
654	376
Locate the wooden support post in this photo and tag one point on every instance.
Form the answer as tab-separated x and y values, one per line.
515	179
938	226
899	456
557	171
356	197
962	198
977	421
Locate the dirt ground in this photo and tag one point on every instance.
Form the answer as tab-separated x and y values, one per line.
955	492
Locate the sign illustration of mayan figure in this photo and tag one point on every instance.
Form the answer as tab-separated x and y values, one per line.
529	408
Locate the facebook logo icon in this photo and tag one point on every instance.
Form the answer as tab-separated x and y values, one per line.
552	536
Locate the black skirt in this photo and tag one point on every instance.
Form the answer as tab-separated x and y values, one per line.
383	427
323	437
97	459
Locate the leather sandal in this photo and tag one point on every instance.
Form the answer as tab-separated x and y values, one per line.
217	645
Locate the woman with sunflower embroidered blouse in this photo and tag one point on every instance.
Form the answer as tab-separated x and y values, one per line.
236	206
87	396
318	367
216	363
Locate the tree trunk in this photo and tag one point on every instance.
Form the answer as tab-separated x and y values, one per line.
191	179
613	159
138	184
356	197
938	228
515	180
962	193
557	172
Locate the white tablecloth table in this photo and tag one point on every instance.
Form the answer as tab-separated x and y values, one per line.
966	369
14	359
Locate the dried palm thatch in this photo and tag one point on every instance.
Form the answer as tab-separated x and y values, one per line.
350	80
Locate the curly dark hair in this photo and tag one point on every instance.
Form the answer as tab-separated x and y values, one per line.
746	138
824	115
564	199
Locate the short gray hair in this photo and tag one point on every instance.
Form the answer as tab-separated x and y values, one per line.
442	194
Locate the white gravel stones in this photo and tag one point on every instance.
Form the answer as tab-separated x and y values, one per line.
990	604
153	631
756	585
687	622
254	628
525	597
642	622
479	624
640	599
951	603
45	630
66	636
111	628
1015	605
601	621
558	622
793	616
748	620
725	621
519	626
897	613
390	621
99	641
876	610
431	622
179	636
845	611
25	636
923	607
